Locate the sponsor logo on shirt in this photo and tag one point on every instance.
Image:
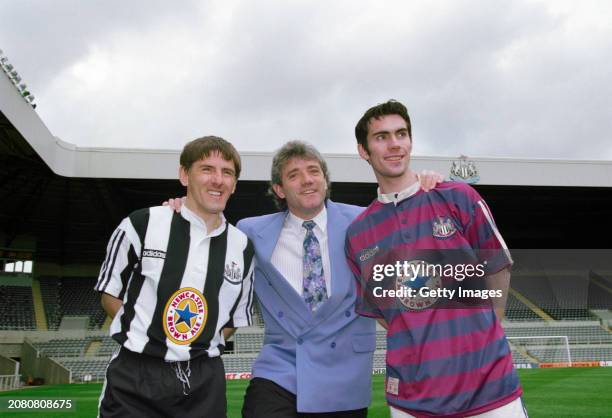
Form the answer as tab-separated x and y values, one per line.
368	253
416	279
233	273
154	253
185	316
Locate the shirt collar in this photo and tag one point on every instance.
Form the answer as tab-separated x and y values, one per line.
395	198
296	222
194	219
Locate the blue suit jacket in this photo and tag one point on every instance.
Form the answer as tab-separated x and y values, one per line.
324	357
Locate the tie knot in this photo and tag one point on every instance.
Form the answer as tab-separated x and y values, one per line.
309	225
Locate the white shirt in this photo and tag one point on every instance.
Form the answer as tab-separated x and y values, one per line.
289	251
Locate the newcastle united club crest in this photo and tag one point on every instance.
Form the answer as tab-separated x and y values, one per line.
464	170
233	273
443	227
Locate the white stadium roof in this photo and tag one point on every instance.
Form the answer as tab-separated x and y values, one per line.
69	160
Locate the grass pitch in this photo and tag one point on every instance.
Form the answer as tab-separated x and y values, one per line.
558	393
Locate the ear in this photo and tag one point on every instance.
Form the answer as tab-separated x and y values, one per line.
363	153
278	189
183	176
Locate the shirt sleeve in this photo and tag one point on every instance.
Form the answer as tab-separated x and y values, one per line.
243	314
365	305
484	237
122	254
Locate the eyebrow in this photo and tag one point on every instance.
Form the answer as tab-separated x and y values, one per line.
204	165
387	132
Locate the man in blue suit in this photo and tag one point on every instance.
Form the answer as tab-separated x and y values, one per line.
317	353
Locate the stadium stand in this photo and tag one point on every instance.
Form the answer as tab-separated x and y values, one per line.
77	297
81	367
563	297
50	289
379	359
72	296
587	332
239	363
16	308
518	311
518	357
248	340
63	347
381	339
108	347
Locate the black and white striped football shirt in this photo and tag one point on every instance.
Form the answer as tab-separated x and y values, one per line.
180	285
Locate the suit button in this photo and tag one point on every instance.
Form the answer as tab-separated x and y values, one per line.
269	283
347	313
280	314
300	341
333	345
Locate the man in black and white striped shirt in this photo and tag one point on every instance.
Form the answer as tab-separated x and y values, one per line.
177	285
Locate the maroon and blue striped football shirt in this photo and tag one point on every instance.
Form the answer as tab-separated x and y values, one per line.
442	360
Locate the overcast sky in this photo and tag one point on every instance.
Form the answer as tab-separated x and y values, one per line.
481	78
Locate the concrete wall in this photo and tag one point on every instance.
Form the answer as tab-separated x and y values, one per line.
8	366
35	366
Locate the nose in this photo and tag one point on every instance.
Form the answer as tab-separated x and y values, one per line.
216	178
307	178
393	141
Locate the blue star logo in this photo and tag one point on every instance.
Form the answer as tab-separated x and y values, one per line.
185	315
416	283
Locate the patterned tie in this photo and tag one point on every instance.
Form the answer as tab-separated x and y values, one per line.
315	292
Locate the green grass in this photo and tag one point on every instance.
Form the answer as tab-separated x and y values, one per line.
558	393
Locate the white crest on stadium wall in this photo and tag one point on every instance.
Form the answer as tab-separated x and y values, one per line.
464	170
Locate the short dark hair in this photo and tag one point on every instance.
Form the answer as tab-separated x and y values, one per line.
294	149
391	107
202	147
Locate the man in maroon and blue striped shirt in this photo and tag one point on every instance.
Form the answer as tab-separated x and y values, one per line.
446	355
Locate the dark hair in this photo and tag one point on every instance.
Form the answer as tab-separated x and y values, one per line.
294	149
391	107
203	147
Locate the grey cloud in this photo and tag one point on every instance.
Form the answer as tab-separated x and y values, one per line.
479	78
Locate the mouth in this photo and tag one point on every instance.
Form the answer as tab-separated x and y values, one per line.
214	193
394	158
308	192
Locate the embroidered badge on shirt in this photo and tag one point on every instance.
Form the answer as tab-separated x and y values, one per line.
392	385
443	227
185	315
233	273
